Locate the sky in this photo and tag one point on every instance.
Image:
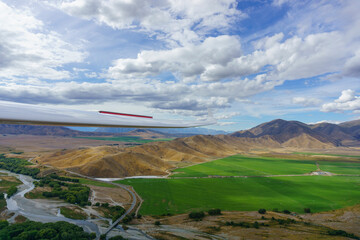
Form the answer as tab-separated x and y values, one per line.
241	62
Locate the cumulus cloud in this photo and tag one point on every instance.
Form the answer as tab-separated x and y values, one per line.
348	101
306	101
27	49
188	62
179	22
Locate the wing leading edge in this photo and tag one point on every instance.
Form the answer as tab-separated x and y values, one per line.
19	113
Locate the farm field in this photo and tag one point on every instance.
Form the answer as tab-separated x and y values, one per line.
340	167
127	139
319	193
239	165
181	194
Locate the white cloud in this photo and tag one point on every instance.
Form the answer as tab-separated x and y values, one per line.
27	49
348	101
188	62
306	101
179	22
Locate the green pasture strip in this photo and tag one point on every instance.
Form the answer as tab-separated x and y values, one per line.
319	193
340	167
239	165
326	154
95	183
128	139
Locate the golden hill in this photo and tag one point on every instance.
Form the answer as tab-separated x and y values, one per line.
157	157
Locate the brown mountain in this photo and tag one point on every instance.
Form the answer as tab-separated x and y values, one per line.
353	128
152	158
340	134
282	131
157	158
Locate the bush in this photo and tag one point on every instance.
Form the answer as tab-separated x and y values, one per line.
307	210
286	211
11	191
262	211
197	215
213	212
157	223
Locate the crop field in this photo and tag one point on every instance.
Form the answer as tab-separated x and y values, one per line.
128	139
319	193
340	167
247	166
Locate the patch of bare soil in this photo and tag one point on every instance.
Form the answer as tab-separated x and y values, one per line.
113	196
347	219
271	225
20	219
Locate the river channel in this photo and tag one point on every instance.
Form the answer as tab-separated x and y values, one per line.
40	210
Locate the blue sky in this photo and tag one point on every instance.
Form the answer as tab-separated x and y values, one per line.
246	61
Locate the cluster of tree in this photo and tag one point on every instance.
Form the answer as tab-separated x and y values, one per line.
18	165
283	221
342	233
284	211
115	211
11	191
75	193
64	179
36	230
200	215
245	224
197	215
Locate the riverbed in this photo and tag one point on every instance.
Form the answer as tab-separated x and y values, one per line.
40	210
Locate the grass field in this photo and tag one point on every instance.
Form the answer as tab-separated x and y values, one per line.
95	183
340	167
247	166
319	193
128	139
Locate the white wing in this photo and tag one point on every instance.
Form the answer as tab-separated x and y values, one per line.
19	113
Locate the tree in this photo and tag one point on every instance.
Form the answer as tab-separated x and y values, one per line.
213	212
196	215
262	211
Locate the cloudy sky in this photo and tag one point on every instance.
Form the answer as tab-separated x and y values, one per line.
246	61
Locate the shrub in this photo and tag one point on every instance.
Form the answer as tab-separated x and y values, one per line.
197	215
262	211
307	210
157	223
286	211
213	212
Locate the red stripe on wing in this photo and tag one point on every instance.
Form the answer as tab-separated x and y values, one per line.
125	114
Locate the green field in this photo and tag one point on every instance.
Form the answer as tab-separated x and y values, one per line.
294	193
247	166
319	193
128	139
340	167
95	183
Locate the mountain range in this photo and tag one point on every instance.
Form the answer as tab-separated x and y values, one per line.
157	158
